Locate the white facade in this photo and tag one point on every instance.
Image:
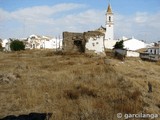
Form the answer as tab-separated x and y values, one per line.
95	44
43	42
36	42
4	42
55	43
6	45
133	44
109	35
132	54
154	50
109	44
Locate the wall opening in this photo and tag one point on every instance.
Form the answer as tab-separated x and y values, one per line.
109	18
79	45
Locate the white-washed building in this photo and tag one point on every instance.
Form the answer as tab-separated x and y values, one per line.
95	44
133	44
6	44
43	42
109	33
152	53
154	50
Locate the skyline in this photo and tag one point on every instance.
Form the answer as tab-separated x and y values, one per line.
136	18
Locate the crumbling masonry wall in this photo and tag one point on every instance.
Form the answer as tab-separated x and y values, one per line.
73	42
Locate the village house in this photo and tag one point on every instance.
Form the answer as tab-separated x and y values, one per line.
155	50
133	44
6	44
152	53
43	42
35	42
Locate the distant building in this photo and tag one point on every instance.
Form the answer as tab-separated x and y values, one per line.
43	42
152	53
154	50
133	44
36	42
6	44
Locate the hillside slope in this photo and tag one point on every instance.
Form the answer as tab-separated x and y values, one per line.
76	87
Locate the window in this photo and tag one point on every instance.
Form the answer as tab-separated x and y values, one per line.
96	42
155	51
109	18
34	46
93	44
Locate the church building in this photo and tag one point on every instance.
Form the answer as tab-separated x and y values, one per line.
109	34
109	41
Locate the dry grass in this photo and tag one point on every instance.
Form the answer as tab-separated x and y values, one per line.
76	87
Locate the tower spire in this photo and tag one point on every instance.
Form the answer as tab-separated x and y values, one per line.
109	9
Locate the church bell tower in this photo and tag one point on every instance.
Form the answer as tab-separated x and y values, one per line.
109	35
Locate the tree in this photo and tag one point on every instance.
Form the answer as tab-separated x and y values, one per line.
17	45
119	45
1	48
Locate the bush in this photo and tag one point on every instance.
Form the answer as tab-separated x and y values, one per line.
17	45
119	45
1	48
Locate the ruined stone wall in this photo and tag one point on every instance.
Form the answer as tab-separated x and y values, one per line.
92	34
73	42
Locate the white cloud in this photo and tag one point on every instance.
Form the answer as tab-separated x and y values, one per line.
4	15
141	25
53	20
141	18
42	14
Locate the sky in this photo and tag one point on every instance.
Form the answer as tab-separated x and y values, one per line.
132	18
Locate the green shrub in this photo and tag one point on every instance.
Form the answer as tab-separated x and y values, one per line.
1	48
119	45
17	45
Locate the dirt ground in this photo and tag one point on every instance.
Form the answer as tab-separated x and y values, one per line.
77	86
